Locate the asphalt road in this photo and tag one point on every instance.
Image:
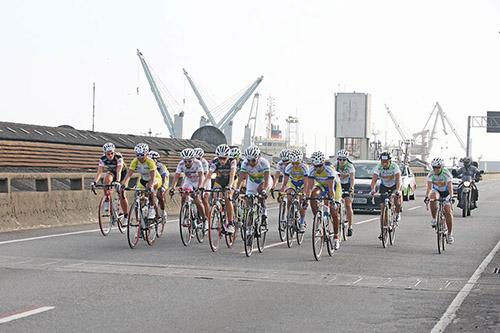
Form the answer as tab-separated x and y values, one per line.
80	281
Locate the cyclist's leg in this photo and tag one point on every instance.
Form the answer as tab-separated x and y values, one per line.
448	213
229	207
315	193
123	197
434	195
348	203
382	190
335	216
206	198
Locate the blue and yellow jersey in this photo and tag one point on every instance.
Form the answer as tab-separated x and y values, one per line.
296	175
321	178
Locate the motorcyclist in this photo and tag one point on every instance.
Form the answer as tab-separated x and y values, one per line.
468	169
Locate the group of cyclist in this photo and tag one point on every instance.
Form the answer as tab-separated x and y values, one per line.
231	173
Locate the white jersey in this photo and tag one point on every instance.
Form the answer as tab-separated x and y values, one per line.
387	176
204	164
191	173
256	173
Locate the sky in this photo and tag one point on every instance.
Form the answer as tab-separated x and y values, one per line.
406	54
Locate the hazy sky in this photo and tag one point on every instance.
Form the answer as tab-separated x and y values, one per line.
405	54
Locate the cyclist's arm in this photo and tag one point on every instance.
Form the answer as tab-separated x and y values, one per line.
241	179
232	176
100	170
285	181
450	188
329	183
119	169
267	175
176	179
429	189
129	174
201	178
207	178
338	190
277	178
398	182
352	180
152	176
374	182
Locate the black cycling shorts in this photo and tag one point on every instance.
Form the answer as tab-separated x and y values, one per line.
384	189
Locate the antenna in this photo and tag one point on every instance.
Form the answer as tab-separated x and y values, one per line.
93	106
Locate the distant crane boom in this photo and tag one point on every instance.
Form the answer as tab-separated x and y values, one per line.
159	100
398	127
443	115
200	99
239	104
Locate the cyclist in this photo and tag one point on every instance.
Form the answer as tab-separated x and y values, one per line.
440	185
192	170
323	181
235	154
346	171
282	164
224	168
295	175
163	171
150	177
390	182
256	169
112	165
198	154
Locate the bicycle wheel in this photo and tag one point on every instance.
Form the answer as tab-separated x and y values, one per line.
133	228
392	229
329	235
318	235
230	238
200	231
160	226
214	228
105	218
383	226
261	236
185	225
248	234
282	225
118	216
300	235
150	232
291	225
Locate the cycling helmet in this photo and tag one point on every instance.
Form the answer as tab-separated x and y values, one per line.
187	154
141	149
235	152
252	152
437	162
108	146
222	150
342	153
198	152
295	156
386	156
285	155
317	158
153	155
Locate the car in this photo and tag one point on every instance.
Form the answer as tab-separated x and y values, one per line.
364	170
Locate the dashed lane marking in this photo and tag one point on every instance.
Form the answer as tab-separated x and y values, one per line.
5	318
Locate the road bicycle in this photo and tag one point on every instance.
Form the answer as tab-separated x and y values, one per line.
190	223
441	227
388	220
109	211
252	223
139	224
322	228
217	221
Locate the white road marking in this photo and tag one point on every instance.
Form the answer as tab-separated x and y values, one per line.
267	246
416	284
413	208
357	281
365	221
11	317
452	309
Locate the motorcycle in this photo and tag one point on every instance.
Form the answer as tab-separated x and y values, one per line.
465	189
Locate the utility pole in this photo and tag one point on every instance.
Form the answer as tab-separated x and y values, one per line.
93	106
467	150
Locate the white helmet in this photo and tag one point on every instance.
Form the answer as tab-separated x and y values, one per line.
437	162
285	155
108	146
141	149
235	152
295	156
198	152
222	150
342	153
187	154
252	152
317	158
153	155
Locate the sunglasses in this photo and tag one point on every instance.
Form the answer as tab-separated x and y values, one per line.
436	167
139	155
318	166
341	159
110	153
188	161
252	160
